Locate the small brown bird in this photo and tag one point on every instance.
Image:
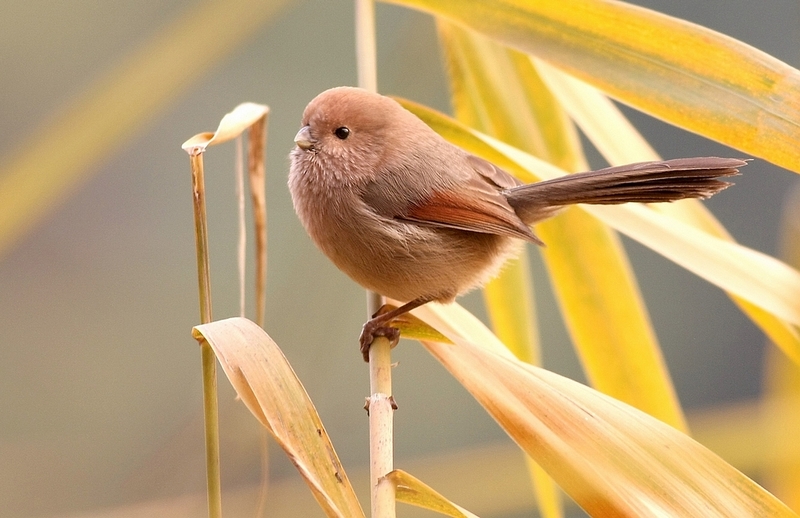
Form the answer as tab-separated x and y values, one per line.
407	214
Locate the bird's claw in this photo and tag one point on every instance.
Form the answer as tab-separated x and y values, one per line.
372	330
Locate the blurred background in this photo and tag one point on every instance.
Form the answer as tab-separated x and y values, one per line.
100	393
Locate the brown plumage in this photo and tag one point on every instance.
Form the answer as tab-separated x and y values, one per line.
415	218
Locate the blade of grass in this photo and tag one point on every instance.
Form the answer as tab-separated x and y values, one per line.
680	72
487	94
501	93
413	491
256	162
241	248
256	165
722	430
231	126
267	385
484	91
606	316
782	378
208	361
497	91
612	459
755	277
512	310
620	143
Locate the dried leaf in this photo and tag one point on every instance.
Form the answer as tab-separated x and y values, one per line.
411	490
683	73
612	459
620	143
231	126
751	275
269	388
498	91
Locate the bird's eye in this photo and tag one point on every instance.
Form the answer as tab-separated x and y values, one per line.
342	133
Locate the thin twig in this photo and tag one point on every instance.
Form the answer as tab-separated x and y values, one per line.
242	245
365	45
256	163
380	403
209	360
381	423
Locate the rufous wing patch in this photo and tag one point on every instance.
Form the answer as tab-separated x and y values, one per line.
473	210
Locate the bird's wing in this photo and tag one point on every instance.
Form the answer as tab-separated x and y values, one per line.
492	174
475	205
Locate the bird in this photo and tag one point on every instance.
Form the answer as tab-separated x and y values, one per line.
407	214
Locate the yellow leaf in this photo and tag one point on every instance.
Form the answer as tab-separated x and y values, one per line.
620	143
497	91
605	314
489	82
512	310
410	326
231	126
500	93
744	272
677	71
411	490
612	459
782	381
269	388
753	276
597	117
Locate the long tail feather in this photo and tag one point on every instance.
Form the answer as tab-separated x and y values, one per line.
645	182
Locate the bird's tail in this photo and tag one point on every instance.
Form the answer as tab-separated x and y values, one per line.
645	182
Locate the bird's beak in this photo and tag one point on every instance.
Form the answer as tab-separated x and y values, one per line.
303	139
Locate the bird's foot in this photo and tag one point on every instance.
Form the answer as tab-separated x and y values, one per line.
373	329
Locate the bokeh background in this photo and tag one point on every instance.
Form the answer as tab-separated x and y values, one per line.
100	396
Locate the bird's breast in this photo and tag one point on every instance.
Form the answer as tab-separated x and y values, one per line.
399	259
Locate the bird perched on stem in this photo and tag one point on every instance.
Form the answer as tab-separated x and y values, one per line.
410	216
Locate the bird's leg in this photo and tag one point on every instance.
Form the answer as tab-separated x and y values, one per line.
378	325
